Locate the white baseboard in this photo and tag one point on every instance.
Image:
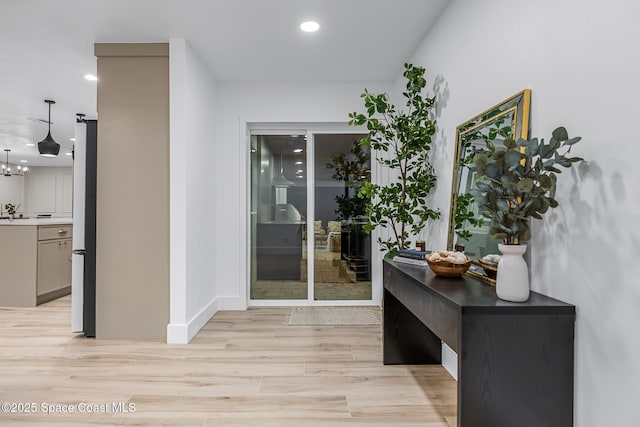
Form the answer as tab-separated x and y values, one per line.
183	333
450	361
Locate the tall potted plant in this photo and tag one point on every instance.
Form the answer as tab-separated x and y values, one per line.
518	182
403	138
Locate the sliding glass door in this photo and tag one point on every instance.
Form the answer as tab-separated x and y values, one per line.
307	241
278	212
342	249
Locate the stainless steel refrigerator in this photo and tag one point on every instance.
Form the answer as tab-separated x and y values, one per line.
83	265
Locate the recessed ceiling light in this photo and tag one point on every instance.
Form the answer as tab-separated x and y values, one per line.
298	150
299	162
91	77
30	145
309	26
24	161
69	153
72	139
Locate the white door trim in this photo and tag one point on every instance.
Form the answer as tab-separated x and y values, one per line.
279	128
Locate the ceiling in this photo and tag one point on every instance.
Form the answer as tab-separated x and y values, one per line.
47	46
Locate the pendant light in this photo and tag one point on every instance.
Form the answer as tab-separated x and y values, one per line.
6	169
281	181
48	147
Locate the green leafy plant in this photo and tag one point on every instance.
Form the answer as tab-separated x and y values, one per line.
518	182
403	138
11	208
352	168
465	217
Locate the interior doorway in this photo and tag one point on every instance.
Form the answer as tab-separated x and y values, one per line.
307	241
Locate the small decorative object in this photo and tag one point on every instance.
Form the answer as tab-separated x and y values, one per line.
11	209
420	245
518	181
489	264
512	277
403	137
448	263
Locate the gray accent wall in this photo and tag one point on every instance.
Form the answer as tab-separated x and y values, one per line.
132	277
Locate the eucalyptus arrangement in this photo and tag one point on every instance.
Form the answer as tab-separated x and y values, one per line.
518	182
403	138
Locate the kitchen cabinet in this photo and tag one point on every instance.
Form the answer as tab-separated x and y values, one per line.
54	260
35	260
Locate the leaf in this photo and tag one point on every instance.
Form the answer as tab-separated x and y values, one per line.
512	159
560	134
572	141
510	144
545	182
502	205
492	170
525	185
531	147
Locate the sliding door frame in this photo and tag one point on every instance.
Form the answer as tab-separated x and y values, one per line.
310	130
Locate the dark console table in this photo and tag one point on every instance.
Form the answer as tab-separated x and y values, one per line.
515	360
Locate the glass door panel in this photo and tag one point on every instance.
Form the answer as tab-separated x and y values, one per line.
278	212
342	249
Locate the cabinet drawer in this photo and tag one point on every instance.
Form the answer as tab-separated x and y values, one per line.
48	232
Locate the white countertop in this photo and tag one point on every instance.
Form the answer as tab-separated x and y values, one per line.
37	221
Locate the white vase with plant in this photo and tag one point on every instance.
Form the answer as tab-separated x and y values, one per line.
518	182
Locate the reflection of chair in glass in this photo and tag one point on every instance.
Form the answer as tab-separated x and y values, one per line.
334	235
320	235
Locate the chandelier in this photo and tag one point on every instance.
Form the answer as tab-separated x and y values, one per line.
6	169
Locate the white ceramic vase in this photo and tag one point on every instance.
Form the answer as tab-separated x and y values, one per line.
512	281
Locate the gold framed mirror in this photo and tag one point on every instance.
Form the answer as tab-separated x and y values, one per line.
507	119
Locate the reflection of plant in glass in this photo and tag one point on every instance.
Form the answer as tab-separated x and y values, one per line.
465	217
405	138
500	127
352	168
519	181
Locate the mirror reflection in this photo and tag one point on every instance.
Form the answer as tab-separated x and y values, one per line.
468	230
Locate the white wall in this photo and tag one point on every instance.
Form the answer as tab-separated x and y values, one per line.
44	190
48	190
193	193
239	104
582	62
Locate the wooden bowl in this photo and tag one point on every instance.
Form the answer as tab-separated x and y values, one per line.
490	268
448	269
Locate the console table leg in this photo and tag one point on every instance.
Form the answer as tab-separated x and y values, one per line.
407	341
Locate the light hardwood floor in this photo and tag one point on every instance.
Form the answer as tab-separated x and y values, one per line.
243	369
